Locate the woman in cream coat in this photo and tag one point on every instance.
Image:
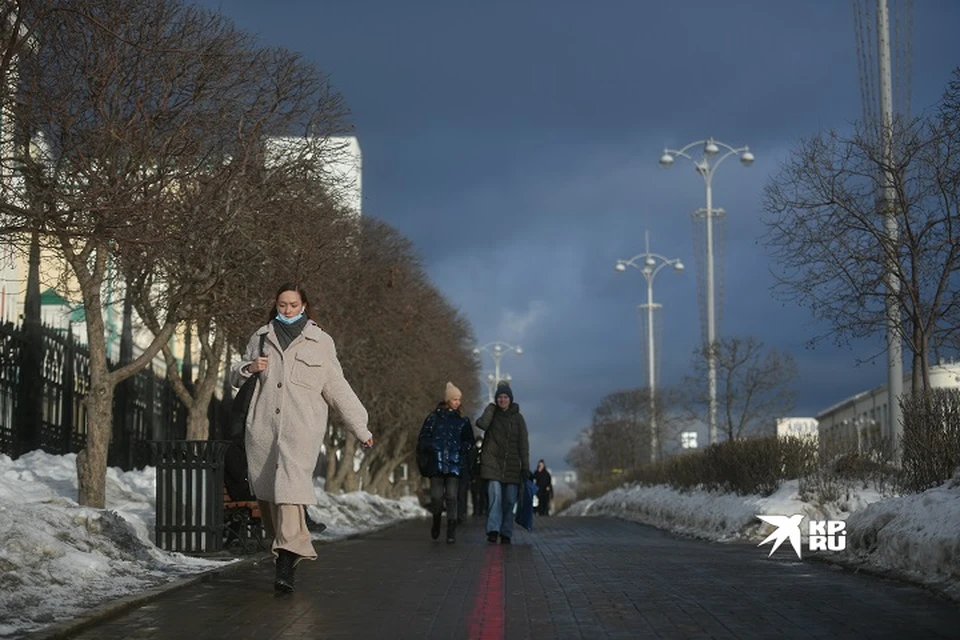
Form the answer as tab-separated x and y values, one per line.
299	378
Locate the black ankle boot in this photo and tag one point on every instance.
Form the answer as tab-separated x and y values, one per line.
286	567
451	531
435	529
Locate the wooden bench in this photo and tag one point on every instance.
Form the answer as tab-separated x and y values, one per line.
242	525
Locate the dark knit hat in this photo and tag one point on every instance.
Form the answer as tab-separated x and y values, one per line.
503	388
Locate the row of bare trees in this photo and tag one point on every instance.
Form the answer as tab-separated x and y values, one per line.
155	140
754	387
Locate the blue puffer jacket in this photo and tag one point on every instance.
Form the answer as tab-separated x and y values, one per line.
445	440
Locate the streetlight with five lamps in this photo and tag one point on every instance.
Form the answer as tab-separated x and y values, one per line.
714	152
497	350
492	383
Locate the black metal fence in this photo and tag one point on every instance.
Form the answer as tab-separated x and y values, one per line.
189	503
44	380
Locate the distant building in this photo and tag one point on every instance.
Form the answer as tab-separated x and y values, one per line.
57	313
856	423
797	428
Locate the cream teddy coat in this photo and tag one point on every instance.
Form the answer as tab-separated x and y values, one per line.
288	413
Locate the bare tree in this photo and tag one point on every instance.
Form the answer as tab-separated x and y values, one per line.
826	231
123	102
263	213
399	341
671	420
15	40
583	458
167	149
754	386
620	431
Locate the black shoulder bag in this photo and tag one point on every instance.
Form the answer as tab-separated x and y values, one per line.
235	458
241	403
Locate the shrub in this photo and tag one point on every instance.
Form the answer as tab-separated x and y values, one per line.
931	438
747	467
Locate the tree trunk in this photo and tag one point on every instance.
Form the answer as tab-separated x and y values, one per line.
382	488
380	481
346	479
331	471
917	377
343	469
92	461
925	361
198	422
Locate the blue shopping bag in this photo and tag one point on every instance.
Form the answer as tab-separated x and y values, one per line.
524	516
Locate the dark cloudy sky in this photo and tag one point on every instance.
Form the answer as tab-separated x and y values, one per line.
516	143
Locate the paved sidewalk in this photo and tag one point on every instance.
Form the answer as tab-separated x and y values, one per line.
571	578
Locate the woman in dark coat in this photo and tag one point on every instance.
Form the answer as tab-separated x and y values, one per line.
504	460
442	453
544	488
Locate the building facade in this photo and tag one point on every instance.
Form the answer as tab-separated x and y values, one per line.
856	423
797	428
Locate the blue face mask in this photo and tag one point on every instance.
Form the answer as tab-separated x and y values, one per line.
285	320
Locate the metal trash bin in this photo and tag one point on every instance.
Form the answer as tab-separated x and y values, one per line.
189	495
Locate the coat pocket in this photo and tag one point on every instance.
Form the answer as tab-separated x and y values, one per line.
307	371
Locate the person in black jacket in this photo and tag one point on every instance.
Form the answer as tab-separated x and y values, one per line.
442	451
544	488
464	482
504	460
478	486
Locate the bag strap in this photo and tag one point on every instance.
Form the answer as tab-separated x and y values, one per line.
263	340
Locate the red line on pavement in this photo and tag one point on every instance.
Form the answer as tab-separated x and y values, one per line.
487	618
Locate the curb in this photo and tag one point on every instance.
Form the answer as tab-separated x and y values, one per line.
859	566
114	608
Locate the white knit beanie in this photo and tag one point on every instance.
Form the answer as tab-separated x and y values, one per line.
452	392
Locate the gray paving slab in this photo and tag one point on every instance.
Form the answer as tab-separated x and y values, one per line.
571	578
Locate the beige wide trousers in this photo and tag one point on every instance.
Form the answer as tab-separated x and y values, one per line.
287	525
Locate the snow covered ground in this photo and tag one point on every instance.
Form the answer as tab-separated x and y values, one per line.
914	537
58	559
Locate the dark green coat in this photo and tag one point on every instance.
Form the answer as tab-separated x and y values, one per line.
505	455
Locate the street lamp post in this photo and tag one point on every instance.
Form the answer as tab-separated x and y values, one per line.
714	153
497	350
650	266
492	383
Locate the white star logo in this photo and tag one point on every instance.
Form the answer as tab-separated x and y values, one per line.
787	527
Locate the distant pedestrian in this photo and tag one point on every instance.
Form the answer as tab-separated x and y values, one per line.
504	460
465	481
443	446
299	378
544	488
478	486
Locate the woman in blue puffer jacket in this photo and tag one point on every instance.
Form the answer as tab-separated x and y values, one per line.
445	440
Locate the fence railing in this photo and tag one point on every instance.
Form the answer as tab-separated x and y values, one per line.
44	381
